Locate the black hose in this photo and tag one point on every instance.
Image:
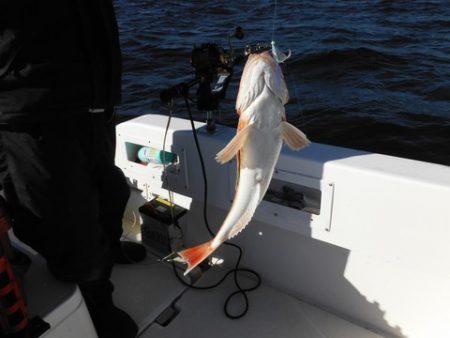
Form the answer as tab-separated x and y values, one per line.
235	271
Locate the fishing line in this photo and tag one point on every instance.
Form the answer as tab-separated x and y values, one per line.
274	18
240	290
300	110
166	178
170	194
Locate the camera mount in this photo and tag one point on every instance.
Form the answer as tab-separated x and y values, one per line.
213	68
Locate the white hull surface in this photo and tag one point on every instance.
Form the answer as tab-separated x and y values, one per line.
371	247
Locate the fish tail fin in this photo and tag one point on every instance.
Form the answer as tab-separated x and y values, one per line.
195	255
294	137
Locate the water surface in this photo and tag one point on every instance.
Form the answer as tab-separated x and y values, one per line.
370	75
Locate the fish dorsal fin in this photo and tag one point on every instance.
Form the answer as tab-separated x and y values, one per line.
294	137
232	148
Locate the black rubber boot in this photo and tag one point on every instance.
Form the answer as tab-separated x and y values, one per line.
129	253
109	320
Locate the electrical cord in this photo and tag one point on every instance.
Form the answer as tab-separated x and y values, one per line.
240	290
235	271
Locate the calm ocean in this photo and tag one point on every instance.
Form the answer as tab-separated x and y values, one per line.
371	75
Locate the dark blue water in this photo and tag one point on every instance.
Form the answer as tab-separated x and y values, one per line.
371	75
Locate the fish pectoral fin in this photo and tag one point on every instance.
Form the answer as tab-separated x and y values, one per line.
294	137
232	148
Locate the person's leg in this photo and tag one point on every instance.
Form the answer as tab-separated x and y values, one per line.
53	196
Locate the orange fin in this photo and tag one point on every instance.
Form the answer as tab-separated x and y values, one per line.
195	255
293	137
232	148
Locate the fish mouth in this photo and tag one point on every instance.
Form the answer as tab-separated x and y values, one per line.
257	48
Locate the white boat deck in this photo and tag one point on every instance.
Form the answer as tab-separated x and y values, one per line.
146	290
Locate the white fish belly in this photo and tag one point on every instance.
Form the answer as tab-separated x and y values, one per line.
259	156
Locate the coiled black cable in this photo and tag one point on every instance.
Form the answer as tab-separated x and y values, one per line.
240	290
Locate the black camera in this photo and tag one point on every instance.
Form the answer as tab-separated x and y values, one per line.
213	66
208	59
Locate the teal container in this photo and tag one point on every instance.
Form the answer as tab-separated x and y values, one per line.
155	156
